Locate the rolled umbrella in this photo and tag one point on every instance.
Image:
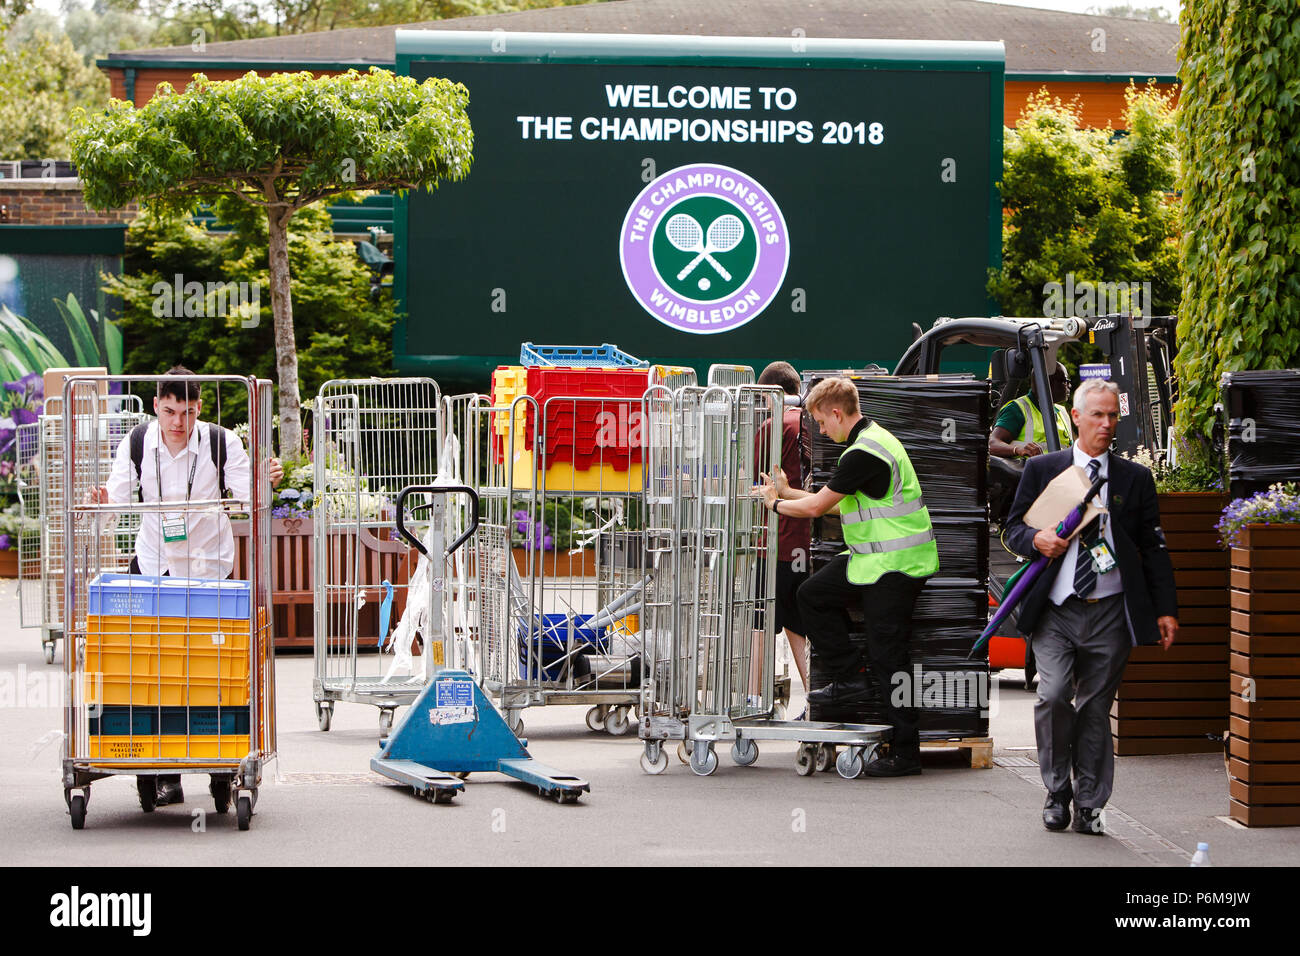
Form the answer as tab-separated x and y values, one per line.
1025	578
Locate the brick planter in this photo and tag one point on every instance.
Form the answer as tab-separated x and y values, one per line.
1264	746
1169	701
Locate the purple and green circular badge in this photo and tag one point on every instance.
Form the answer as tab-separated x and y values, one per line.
704	248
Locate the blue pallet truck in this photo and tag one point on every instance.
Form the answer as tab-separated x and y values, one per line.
452	729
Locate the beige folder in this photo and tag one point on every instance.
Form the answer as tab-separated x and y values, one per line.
1061	496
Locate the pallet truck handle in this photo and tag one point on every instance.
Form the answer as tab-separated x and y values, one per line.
436	490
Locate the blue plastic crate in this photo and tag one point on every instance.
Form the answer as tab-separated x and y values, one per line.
145	595
553	643
588	356
117	720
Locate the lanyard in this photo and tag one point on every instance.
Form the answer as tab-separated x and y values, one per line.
157	466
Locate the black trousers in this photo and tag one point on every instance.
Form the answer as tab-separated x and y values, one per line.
887	607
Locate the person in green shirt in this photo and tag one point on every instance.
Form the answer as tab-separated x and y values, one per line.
1019	432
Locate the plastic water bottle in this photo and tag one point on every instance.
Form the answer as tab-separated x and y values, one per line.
1202	855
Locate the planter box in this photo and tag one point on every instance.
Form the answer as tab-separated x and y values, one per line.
556	564
1264	745
1168	701
293	575
9	563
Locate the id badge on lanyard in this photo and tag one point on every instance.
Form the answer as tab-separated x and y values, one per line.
173	525
1103	559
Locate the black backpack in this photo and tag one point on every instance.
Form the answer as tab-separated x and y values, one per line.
218	450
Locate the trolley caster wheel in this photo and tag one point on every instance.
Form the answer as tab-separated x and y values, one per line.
683	752
442	796
77	808
462	774
596	718
656	764
515	722
49	652
703	760
147	789
778	711
744	752
220	790
616	722
849	764
564	797
385	722
244	812
805	760
825	757
324	713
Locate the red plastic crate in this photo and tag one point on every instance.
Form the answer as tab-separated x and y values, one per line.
574	427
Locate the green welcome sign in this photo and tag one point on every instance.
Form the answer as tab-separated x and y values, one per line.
701	199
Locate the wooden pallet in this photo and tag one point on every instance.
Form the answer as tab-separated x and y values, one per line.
978	749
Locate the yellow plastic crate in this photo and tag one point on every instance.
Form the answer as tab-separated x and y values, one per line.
158	747
169	631
176	663
165	692
562	478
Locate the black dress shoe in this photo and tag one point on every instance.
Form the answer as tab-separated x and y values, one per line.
1087	820
893	766
169	791
844	691
1056	811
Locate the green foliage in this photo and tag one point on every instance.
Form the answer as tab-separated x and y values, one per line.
340	332
1239	134
280	141
1085	202
43	80
24	348
96	340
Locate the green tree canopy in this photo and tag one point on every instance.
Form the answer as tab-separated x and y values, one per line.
1089	203
1239	133
278	144
42	80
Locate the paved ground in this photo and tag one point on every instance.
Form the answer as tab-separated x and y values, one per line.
324	807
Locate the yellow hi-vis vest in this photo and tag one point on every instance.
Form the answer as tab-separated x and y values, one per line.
1033	429
892	533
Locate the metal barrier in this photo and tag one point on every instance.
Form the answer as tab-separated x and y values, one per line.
709	607
730	376
40	493
372	438
170	672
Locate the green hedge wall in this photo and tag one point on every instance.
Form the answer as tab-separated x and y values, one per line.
1239	136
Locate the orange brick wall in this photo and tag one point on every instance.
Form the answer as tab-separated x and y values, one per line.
147	80
53	203
1103	103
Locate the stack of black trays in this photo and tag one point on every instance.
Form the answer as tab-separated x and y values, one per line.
1263	429
943	422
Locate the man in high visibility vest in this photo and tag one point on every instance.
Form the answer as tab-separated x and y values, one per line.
890	552
1019	431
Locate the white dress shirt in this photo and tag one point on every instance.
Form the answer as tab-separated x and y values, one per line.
208	550
1108	583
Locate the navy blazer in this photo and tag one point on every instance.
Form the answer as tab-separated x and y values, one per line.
1146	573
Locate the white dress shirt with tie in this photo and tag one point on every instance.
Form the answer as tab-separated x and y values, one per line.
208	550
1108	583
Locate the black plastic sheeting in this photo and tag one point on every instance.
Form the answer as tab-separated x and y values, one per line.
944	423
1263	410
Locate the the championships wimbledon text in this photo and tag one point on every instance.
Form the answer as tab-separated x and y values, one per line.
778	100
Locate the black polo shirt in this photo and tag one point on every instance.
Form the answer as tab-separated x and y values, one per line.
859	470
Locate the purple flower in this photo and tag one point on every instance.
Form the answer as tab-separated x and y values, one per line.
548	543
6	542
17	386
24	416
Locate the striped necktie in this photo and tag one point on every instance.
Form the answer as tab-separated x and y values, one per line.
1085	576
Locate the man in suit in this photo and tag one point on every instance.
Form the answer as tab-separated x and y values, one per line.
1094	601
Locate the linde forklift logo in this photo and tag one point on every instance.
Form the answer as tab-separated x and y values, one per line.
704	248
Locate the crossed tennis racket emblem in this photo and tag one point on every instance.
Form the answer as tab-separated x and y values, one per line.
684	232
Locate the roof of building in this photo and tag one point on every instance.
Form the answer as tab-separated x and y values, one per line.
1036	41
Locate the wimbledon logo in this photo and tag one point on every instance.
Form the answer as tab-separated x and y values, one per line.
704	248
